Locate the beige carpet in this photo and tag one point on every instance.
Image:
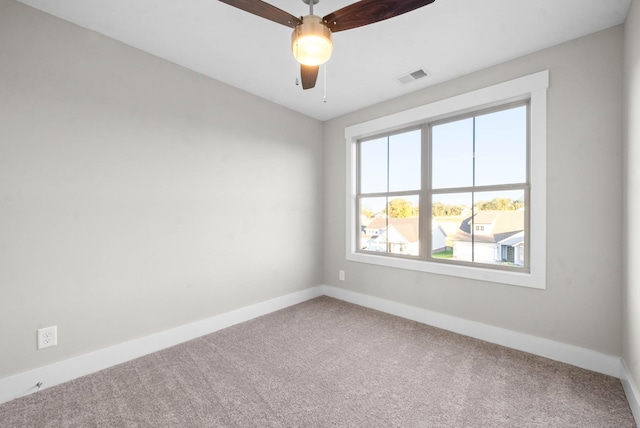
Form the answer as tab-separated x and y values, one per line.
326	363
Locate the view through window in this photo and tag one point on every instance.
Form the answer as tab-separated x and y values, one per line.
453	191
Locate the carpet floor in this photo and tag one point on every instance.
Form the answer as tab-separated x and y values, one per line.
327	363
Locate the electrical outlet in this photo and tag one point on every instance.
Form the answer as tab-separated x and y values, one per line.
47	337
341	275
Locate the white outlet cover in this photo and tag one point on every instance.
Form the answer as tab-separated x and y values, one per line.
47	337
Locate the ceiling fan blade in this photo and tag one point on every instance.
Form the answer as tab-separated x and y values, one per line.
367	12
265	10
309	75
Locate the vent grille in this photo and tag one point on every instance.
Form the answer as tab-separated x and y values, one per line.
412	76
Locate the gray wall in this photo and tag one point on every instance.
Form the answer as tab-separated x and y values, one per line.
581	305
631	309
137	196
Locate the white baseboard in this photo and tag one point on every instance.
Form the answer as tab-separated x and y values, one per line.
25	383
574	355
631	390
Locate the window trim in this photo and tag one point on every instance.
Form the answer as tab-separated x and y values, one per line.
532	87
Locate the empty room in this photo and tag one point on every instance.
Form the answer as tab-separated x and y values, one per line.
303	213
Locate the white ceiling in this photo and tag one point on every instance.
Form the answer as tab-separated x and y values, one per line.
448	38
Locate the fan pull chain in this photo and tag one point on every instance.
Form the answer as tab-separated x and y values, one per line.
324	70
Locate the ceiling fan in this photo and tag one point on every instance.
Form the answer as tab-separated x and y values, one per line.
311	38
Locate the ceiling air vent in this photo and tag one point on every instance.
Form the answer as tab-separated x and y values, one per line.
412	76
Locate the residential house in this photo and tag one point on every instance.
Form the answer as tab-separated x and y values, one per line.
400	236
495	237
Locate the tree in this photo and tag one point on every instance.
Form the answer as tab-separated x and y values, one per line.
517	204
367	212
500	204
440	209
400	208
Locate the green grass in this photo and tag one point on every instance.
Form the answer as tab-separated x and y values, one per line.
443	255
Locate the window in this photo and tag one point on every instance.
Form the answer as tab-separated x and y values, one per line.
456	187
469	173
389	181
478	185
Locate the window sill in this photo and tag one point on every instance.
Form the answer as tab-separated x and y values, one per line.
523	279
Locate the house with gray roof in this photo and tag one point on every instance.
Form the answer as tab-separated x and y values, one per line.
494	237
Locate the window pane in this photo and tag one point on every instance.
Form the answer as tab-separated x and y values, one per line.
373	222
393	227
494	232
501	147
403	235
404	161
452	154
373	166
449	210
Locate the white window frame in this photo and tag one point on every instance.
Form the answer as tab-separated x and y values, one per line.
533	88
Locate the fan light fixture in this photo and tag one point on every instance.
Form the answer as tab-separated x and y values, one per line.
311	41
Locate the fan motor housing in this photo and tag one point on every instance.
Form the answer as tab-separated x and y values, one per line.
311	41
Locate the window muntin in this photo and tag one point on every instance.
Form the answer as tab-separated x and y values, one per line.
471	175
